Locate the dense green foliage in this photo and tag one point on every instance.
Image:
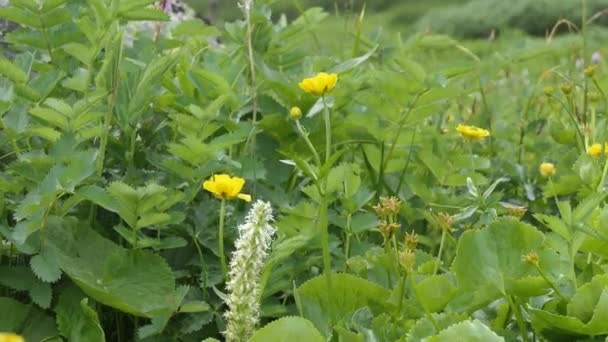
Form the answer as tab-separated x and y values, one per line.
390	225
477	18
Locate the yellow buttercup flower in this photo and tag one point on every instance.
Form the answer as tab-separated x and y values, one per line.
319	85
10	337
595	150
547	169
225	187
472	132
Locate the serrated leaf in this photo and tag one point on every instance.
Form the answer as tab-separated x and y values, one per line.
134	281
288	329
45	268
470	331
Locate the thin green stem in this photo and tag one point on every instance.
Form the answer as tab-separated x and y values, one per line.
220	239
199	251
311	147
400	125
559	209
134	237
45	218
441	244
523	330
600	187
327	120
388	252
349	232
401	293
323	227
557	291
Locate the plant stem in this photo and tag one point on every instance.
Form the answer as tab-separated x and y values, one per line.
558	292
348	236
220	239
401	293
323	227
327	120
200	259
308	143
600	187
134	237
559	209
523	330
438	262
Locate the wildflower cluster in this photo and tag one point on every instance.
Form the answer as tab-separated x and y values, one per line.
388	211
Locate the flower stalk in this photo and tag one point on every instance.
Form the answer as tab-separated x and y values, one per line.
246	268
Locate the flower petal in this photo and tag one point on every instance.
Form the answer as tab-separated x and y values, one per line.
244	197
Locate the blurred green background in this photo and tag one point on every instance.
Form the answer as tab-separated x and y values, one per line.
459	18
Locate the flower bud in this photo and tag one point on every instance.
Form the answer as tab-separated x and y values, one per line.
531	258
547	169
567	88
548	90
407	260
596	57
411	240
590	70
295	113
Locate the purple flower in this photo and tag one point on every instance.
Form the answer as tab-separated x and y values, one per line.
596	57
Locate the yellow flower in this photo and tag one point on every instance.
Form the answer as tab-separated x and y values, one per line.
595	150
319	85
295	113
225	187
472	132
10	337
547	169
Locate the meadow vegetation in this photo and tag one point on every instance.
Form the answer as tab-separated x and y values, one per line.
311	177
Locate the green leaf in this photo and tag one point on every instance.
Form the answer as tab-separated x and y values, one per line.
584	209
45	268
110	274
152	219
79	51
435	292
288	329
11	71
20	16
151	14
191	307
21	279
26	320
587	312
75	319
489	261
349	293
99	196
353	63
470	331
555	224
